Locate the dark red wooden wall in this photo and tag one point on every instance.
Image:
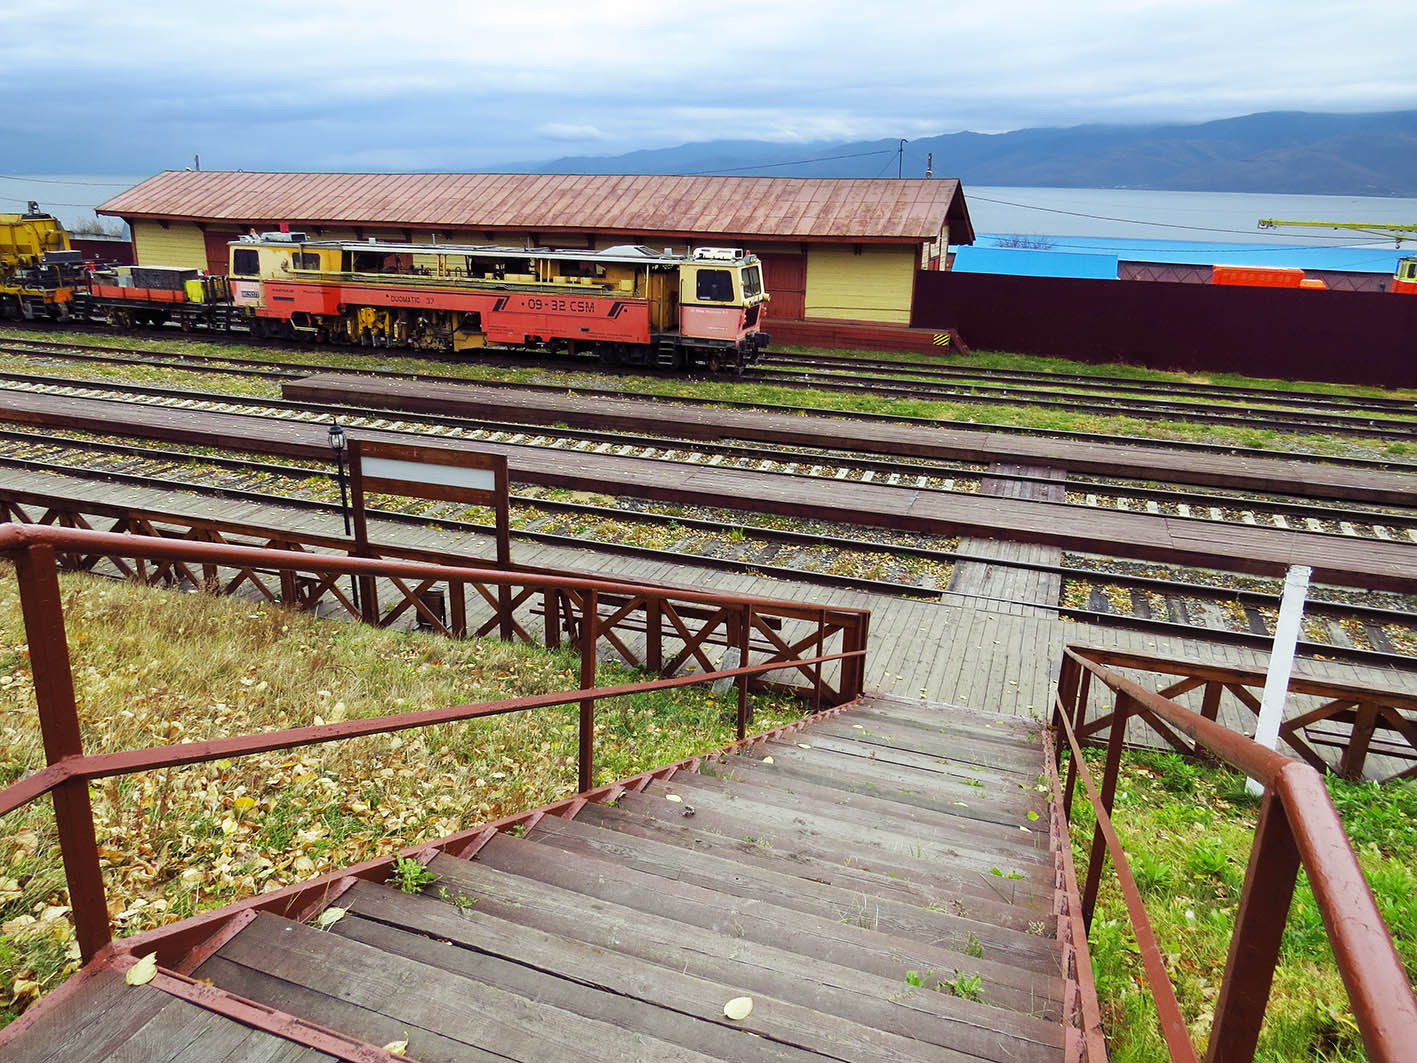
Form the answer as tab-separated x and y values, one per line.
1345	337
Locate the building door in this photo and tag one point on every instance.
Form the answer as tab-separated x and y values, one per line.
785	279
216	241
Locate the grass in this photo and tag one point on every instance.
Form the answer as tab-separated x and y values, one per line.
727	390
1188	831
153	667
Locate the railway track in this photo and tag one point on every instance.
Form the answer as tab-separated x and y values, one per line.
1389	420
1380	523
1092	383
1371	627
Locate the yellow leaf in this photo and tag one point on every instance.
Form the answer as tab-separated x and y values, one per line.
142	972
329	917
768	760
673	797
241	804
739	1008
397	1048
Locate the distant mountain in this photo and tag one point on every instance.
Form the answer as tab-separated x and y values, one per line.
1276	152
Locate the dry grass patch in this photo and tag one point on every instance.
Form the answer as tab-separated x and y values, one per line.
154	667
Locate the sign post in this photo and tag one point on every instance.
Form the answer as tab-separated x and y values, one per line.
1281	661
440	473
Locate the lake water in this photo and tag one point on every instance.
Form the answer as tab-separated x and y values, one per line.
1096	219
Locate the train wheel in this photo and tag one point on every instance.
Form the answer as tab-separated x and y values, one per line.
366	338
715	362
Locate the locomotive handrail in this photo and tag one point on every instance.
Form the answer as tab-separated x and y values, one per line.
1297	827
35	551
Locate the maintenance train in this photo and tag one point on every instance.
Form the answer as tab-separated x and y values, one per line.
630	305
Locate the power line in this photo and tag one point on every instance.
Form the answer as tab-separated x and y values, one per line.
797	162
60	181
1134	221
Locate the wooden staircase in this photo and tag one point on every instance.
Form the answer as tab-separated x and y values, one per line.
883	883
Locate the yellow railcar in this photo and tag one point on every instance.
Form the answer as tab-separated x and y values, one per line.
38	269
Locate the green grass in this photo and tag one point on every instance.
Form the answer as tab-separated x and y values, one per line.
1188	830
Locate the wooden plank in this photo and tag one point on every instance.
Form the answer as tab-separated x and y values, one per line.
664	1004
899	815
335	1013
770	924
771	812
672	855
422	996
862	1016
90	1024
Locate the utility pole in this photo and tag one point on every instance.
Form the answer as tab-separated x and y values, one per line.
900	159
929	165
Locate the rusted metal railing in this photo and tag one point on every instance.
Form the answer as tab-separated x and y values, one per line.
1297	827
1358	721
37	550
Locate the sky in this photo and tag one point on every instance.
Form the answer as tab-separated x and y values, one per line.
451	85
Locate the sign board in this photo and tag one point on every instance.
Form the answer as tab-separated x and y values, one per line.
444	474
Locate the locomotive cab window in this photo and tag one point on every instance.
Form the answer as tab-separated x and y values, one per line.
306	260
715	285
752	281
245	262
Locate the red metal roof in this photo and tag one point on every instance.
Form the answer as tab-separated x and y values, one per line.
784	207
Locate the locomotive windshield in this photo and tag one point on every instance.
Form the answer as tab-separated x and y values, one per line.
715	285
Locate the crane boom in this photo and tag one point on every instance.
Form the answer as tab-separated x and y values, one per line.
1397	232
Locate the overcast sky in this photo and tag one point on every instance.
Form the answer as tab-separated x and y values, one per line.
415	85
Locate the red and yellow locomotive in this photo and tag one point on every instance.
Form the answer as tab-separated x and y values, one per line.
627	304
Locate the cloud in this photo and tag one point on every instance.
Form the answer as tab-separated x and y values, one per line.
570	131
425	84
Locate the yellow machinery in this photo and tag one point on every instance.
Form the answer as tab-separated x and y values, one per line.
38	271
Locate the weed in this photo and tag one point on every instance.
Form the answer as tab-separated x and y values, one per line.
459	900
974	947
410	875
968	986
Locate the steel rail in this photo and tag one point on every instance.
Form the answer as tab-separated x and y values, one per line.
928	468
1298	827
948	372
744	453
986	378
992	394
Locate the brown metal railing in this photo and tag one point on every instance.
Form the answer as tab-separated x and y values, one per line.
1298	827
37	551
1358	721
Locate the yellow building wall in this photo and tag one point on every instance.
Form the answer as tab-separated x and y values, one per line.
874	285
180	244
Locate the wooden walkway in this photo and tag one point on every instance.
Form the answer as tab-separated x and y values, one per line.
882	883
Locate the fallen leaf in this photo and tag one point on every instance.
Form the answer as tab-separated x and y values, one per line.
142	972
329	917
397	1048
1033	815
739	1008
672	797
767	760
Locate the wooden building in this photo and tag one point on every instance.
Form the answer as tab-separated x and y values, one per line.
843	249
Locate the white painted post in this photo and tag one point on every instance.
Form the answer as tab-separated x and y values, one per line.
1281	661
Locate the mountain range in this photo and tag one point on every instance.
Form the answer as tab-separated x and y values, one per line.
1273	152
